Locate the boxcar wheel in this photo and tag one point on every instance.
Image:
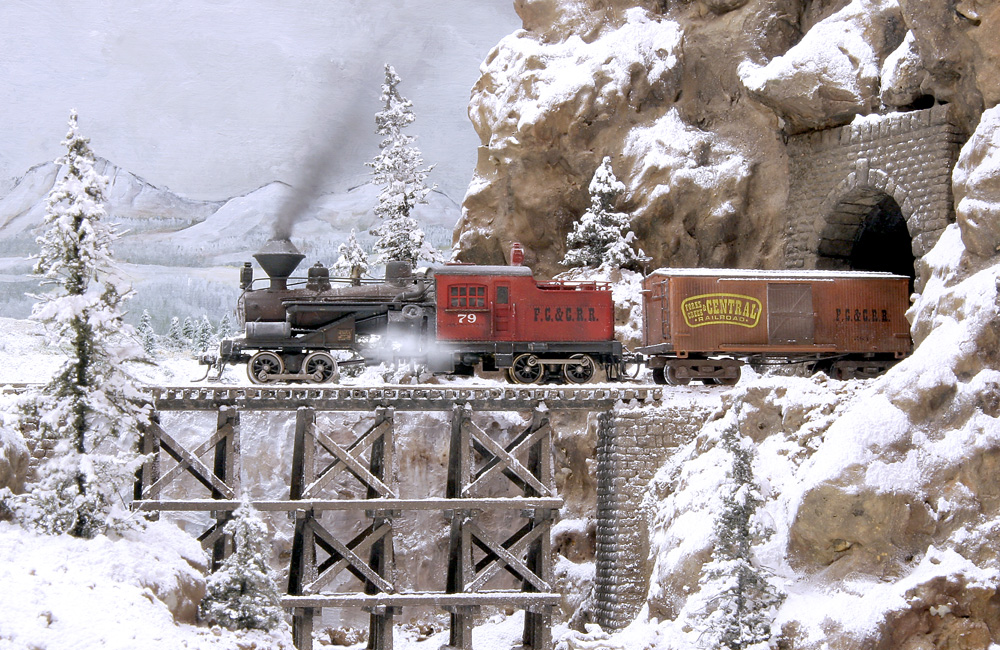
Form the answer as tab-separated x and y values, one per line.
673	379
526	369
263	365
659	377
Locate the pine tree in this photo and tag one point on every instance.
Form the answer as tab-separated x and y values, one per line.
189	332
204	334
87	413
225	327
398	169
145	332
242	594
352	261
742	600
603	237
175	335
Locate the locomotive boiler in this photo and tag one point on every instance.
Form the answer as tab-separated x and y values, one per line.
451	318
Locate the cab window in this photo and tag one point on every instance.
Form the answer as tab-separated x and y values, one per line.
467	296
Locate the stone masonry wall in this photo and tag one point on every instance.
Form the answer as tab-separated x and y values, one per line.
908	156
632	444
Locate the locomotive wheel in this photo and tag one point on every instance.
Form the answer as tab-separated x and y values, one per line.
526	369
673	379
264	364
320	366
579	373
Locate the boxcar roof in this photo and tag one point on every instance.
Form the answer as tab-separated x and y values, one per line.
777	274
474	269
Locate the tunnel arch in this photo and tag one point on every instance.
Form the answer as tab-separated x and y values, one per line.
867	228
839	177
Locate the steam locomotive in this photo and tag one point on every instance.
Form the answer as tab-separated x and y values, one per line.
699	324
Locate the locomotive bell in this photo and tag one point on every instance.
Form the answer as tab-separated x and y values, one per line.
278	258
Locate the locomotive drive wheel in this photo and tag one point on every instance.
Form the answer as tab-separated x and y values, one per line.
526	369
263	365
580	372
320	366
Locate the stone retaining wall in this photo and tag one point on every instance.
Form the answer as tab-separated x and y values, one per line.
632	445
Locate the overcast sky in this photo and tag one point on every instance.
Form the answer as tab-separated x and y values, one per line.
213	98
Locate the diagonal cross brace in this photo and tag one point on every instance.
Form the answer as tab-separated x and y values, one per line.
189	461
363	442
503	459
350	557
506	557
354	465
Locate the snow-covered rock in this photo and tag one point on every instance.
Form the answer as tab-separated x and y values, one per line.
13	458
832	74
976	182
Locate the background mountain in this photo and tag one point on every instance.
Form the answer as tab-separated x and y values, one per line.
182	254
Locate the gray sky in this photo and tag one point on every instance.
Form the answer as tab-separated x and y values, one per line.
213	98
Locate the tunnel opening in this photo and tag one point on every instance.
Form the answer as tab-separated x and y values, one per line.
868	232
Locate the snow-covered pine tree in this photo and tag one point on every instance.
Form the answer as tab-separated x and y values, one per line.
603	237
175	334
352	261
242	593
204	334
189	332
88	411
398	168
225	327
741	600
145	332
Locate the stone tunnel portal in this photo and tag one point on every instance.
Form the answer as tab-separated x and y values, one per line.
867	232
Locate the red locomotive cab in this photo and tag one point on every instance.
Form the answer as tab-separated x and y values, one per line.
505	303
474	303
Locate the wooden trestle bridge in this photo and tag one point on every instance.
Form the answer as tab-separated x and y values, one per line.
476	553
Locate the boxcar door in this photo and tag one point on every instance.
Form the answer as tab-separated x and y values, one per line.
790	317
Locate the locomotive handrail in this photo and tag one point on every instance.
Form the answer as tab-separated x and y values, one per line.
575	284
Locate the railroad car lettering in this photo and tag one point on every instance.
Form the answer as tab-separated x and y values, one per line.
872	315
565	314
467	318
721	309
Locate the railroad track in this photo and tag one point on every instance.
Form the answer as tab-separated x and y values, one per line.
402	398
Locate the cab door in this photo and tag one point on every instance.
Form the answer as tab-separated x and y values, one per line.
503	312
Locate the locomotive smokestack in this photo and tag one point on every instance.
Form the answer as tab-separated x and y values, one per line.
278	258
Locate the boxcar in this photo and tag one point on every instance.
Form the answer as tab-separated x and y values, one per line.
502	317
704	323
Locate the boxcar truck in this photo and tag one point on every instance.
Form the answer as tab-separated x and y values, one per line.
705	323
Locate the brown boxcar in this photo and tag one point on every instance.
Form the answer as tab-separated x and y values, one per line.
501	316
703	323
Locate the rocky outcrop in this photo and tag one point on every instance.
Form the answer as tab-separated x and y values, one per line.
13	459
693	101
976	186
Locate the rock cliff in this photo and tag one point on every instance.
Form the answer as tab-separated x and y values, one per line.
693	100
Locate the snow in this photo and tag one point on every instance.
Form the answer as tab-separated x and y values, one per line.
541	78
836	55
63	592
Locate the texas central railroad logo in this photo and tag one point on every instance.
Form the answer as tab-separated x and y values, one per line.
721	309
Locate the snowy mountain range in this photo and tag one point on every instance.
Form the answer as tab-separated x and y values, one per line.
181	253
